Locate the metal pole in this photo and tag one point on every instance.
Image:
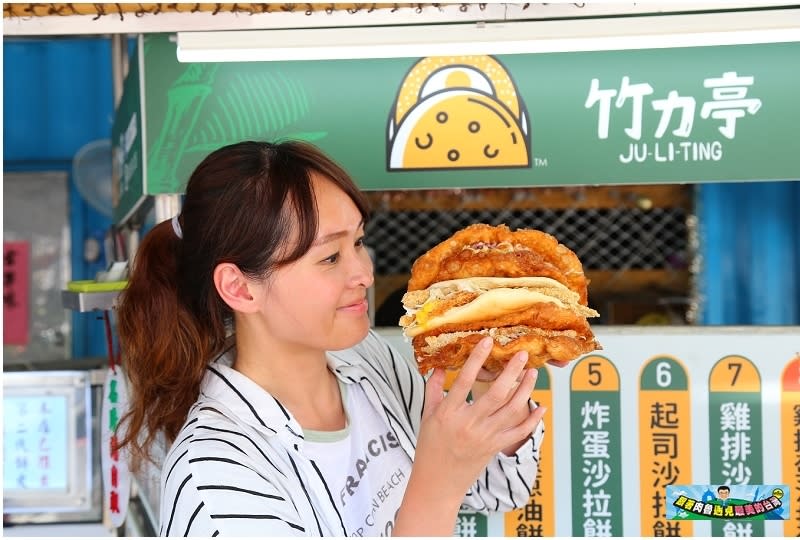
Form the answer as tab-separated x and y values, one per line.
119	65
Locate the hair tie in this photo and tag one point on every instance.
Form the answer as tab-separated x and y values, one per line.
176	227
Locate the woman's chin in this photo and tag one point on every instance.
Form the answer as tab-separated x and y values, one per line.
350	336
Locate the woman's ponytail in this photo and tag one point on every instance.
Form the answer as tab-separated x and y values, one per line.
164	352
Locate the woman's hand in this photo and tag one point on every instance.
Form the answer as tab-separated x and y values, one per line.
483	381
457	439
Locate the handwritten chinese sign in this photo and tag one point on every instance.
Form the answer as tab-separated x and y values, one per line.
35	443
116	473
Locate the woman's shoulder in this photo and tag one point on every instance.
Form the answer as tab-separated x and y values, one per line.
212	445
204	424
212	431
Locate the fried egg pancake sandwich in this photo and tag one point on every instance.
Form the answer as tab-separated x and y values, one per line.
523	288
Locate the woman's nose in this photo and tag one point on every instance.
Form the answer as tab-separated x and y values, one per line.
362	270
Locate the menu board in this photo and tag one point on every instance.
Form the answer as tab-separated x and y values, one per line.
658	407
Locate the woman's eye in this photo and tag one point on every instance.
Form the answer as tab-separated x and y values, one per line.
360	242
332	259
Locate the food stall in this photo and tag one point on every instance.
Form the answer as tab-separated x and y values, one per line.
601	130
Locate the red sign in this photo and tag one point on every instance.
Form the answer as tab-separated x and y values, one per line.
16	277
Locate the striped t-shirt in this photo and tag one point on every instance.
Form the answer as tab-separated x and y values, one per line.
238	466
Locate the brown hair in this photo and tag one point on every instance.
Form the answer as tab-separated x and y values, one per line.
244	204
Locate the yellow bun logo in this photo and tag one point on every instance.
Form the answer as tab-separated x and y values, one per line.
458	112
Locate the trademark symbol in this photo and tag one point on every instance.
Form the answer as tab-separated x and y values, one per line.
539	162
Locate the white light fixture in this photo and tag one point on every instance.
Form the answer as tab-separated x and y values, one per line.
661	31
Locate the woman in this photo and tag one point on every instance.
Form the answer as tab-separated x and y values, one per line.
246	339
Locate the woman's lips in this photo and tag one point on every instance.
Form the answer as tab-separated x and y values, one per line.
356	307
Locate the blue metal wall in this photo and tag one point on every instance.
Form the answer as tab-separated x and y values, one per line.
750	249
57	96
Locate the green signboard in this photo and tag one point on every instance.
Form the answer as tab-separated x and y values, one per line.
128	175
700	114
470	524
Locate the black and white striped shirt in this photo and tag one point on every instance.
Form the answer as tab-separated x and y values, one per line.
237	467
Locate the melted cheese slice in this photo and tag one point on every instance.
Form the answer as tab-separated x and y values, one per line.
491	303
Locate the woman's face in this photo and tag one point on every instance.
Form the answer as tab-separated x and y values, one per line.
320	300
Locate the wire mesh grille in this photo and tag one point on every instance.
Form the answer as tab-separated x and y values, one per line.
603	239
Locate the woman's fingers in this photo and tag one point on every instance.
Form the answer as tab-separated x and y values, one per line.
484	375
500	390
517	403
526	427
494	421
434	392
515	411
526	385
501	413
469	371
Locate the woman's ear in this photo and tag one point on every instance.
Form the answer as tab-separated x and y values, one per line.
234	288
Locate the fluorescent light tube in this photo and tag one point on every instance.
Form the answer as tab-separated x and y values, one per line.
665	31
